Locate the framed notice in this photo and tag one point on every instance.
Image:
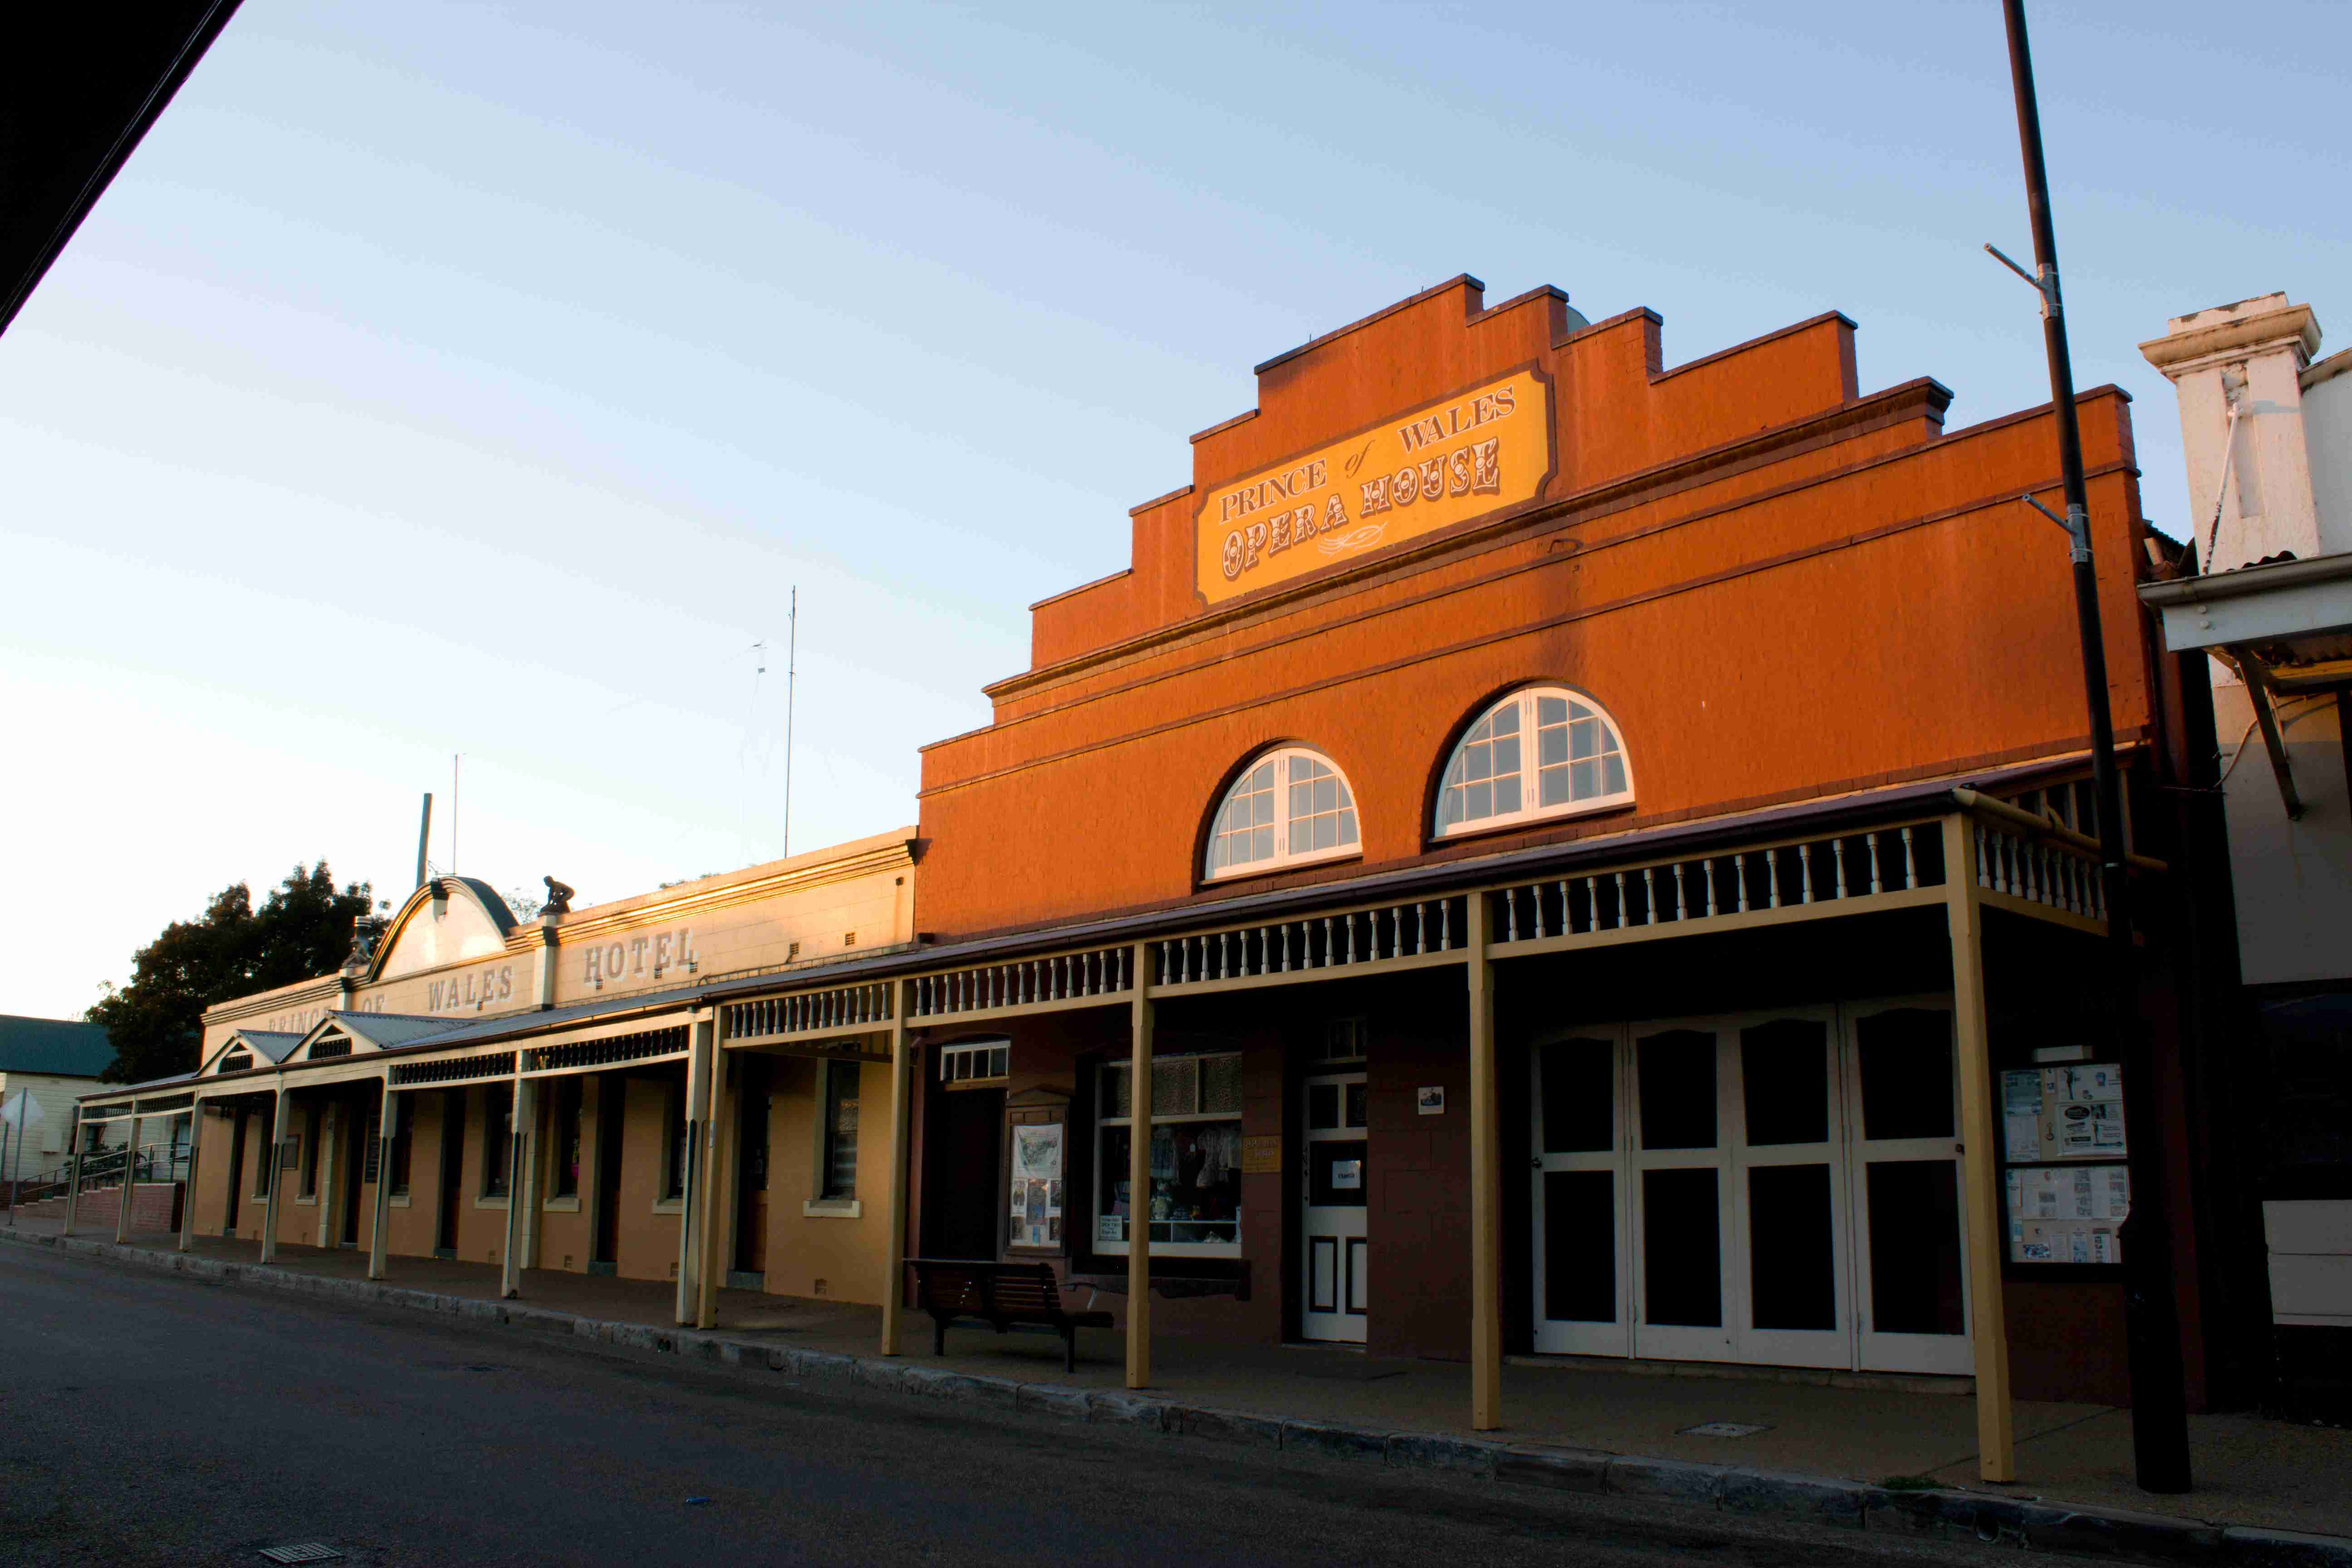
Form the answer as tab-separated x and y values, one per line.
2064	1184
1034	1202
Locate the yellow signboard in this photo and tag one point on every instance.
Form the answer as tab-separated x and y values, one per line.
1477	452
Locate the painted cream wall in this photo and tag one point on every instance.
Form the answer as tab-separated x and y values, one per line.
647	1248
837	1258
741	920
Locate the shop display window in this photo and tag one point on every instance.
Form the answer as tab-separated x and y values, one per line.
1194	1204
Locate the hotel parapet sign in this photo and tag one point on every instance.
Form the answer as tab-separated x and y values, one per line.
1454	461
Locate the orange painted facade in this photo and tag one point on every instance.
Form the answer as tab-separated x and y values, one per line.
1781	588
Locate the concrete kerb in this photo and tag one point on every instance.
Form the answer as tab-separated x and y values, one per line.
1826	1501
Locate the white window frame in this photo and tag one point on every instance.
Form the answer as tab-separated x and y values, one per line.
1107	1179
1283	856
1530	764
970	1064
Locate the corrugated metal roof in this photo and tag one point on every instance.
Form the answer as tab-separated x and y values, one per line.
274	1044
384	1030
66	1047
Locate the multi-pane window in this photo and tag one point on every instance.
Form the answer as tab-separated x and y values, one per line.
498	1138
1541	752
837	1161
266	1154
566	1181
310	1152
1291	806
402	1143
1194	1201
975	1062
674	1140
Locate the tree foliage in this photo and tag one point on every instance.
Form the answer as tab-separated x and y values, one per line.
301	931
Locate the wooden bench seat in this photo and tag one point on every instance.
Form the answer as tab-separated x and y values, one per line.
1000	1295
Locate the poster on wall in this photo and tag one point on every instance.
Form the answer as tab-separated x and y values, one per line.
1035	1201
2073	1112
2056	1122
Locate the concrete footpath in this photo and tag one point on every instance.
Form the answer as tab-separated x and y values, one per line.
1875	1453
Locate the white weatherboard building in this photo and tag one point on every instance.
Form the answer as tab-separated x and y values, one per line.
2266	425
47	1062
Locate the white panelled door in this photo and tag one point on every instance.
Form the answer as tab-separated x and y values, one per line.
1703	1189
1338	1265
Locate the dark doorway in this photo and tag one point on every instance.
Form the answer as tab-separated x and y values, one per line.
453	1170
358	1161
753	1096
612	1095
235	1171
964	1187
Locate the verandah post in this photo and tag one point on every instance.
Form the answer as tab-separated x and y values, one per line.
1979	1172
521	1106
281	1112
902	1082
719	1184
130	1182
701	1037
188	1191
387	1128
1486	1185
1139	1174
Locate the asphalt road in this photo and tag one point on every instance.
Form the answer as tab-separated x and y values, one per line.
149	1419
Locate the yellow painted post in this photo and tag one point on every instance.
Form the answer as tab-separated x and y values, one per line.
1980	1170
521	1106
281	1112
726	1088
698	1064
1139	1174
387	1127
77	1137
902	1099
129	1183
188	1191
1485	1187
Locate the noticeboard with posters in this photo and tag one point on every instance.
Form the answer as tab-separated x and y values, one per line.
2064	1183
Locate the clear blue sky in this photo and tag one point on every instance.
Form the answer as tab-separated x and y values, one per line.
481	380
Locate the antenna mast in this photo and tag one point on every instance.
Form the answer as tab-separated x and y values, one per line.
424	836
792	666
453	814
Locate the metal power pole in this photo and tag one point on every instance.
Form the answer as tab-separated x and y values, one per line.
2151	1322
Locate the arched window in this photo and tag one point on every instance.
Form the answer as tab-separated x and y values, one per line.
1545	752
1288	807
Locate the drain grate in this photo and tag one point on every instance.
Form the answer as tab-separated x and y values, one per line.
1722	1429
302	1551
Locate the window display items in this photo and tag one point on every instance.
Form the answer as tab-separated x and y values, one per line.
1194	1204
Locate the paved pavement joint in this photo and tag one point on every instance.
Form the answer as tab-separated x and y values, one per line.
1827	1500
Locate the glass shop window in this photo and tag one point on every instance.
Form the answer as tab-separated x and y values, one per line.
1194	1204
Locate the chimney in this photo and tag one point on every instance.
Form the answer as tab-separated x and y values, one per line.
2247	360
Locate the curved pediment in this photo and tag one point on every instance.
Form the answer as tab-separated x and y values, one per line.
449	920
